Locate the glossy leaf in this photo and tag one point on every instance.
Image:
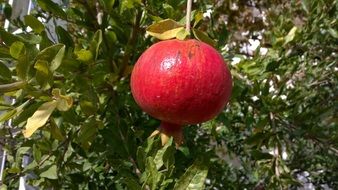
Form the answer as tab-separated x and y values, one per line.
56	62
9	38
53	54
64	37
34	23
16	49
95	44
203	37
194	177
50	173
43	74
50	6
5	73
159	158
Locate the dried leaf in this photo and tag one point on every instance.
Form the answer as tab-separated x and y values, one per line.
64	103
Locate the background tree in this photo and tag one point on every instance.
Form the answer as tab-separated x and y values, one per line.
75	118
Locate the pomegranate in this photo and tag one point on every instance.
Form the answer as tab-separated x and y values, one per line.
180	83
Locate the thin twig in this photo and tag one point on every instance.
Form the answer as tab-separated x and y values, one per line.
50	154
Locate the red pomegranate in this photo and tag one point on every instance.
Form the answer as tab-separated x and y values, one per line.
181	82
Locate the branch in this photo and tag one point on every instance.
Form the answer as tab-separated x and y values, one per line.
131	43
311	137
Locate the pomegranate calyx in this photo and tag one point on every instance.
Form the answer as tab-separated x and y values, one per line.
167	130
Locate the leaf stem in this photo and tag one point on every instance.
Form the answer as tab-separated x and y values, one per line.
187	18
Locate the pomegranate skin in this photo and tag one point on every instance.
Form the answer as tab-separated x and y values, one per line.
181	82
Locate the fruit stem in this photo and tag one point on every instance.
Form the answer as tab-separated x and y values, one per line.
188	16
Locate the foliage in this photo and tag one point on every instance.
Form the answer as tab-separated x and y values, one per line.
75	118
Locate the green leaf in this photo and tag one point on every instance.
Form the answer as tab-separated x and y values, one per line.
14	170
5	73
194	177
39	118
84	55
45	41
9	114
50	173
7	10
8	38
22	150
55	130
257	138
182	34
53	54
153	176
333	32
306	6
201	36
129	4
87	133
165	29
34	23
4	52
132	184
29	38
31	166
152	145
16	49
56	62
26	113
140	157
197	18
54	8
22	66
162	155
259	155
36	153
43	74
88	107
64	37
290	36
95	43
108	4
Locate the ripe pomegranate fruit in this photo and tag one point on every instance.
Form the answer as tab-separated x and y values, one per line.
180	83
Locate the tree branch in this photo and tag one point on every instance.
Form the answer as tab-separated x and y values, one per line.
131	43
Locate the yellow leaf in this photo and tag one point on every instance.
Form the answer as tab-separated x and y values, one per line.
64	103
165	29
291	35
167	34
39	118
